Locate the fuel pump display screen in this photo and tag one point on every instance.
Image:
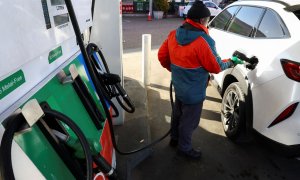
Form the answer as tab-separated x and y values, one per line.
61	19
57	2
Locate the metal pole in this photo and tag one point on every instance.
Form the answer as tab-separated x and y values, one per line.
150	11
146	65
150	6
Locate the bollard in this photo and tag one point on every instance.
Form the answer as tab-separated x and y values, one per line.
146	63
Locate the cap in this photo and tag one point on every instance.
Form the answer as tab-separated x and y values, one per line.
198	11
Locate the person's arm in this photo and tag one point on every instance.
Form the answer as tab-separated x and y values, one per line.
210	59
163	55
225	63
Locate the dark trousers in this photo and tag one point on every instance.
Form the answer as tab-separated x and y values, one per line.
186	118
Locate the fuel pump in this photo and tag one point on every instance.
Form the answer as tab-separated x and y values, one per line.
42	35
32	113
97	78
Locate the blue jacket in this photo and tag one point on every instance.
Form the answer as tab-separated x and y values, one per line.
190	54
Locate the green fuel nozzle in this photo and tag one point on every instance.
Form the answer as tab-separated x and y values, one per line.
236	60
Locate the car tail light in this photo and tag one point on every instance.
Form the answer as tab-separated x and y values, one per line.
291	69
285	114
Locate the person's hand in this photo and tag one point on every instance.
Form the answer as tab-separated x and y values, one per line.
236	60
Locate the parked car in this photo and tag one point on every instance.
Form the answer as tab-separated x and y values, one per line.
213	8
266	98
225	3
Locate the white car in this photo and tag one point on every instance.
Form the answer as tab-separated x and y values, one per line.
265	97
213	8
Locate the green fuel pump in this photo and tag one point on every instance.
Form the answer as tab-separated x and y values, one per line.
21	120
96	78
106	84
45	46
26	119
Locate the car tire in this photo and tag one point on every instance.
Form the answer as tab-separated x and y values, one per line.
233	113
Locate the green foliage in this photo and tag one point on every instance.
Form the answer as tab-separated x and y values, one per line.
161	5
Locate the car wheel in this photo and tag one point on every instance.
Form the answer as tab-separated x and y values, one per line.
233	111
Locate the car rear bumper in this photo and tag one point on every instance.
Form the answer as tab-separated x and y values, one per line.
269	101
282	149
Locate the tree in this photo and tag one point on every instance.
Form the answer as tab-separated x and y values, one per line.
161	5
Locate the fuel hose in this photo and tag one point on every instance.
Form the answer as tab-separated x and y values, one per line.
13	126
17	122
110	83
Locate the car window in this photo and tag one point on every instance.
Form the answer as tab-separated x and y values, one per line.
270	26
209	4
245	20
223	18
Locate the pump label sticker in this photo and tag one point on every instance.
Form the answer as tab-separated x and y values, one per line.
54	54
11	83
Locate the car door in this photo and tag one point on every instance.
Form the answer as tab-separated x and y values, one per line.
272	40
255	31
235	34
217	30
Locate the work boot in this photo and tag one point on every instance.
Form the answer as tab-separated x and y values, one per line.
191	154
173	143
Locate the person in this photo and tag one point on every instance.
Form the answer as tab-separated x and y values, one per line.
190	54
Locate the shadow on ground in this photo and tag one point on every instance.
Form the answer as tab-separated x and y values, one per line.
222	159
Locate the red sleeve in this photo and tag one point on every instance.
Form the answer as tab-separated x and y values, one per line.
163	55
208	60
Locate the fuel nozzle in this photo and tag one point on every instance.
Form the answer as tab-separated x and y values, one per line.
240	58
236	60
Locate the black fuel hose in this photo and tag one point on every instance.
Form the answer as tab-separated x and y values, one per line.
83	141
97	84
113	88
15	124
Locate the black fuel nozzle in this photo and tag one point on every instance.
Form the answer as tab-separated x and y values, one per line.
240	55
115	80
252	62
249	62
111	79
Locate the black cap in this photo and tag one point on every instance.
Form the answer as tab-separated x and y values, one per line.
198	11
